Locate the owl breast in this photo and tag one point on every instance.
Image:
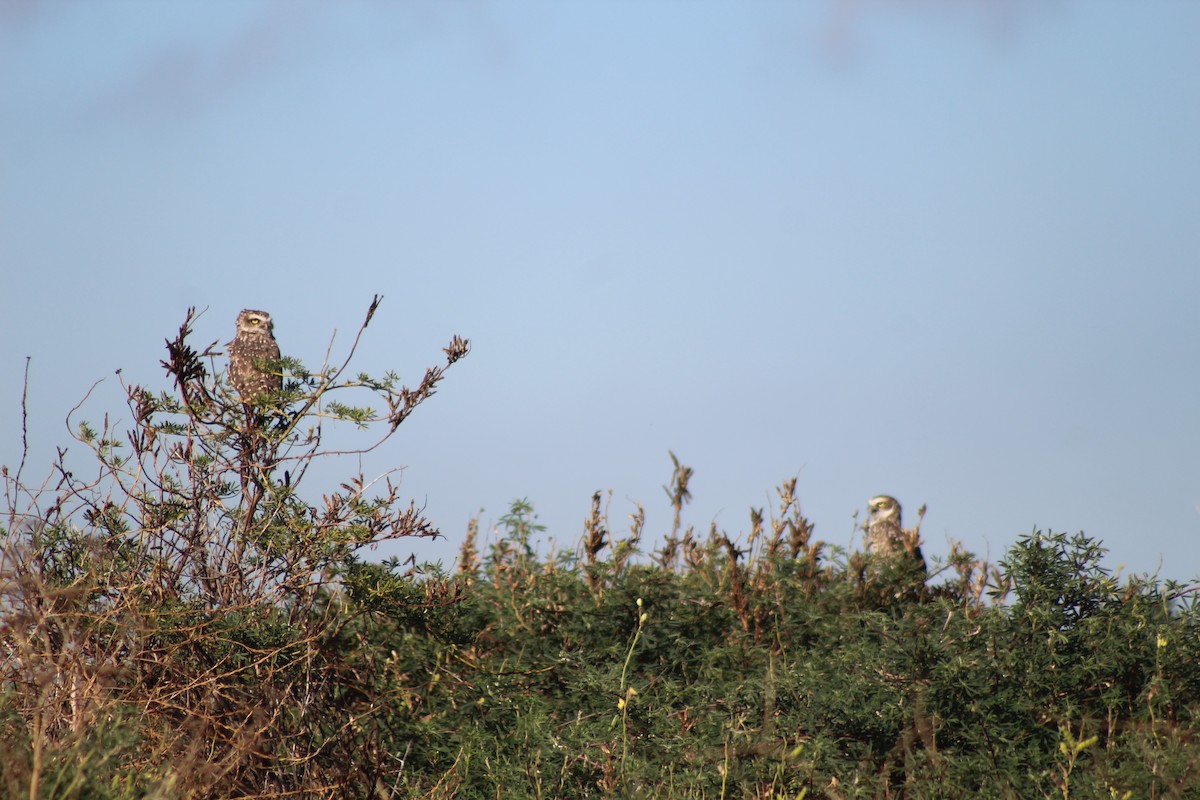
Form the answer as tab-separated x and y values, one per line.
247	379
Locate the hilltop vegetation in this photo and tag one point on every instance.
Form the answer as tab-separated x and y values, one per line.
192	619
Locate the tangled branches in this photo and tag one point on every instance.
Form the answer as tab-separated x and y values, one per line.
159	597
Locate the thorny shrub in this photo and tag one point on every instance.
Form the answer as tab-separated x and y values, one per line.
185	624
182	619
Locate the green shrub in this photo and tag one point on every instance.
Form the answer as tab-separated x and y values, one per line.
188	624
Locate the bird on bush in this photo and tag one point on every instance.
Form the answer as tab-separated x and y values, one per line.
255	341
886	536
254	381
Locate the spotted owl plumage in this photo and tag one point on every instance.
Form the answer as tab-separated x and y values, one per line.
255	340
885	534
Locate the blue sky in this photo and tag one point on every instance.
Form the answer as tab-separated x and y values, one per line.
941	250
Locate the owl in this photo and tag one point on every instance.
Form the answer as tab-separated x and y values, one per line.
885	536
255	341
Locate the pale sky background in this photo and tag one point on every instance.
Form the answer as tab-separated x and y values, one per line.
945	250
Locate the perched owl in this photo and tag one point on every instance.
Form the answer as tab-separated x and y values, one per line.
885	536
255	340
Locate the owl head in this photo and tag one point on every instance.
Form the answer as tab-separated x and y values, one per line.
256	323
884	508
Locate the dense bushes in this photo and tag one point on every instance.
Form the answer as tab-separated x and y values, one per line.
748	675
177	626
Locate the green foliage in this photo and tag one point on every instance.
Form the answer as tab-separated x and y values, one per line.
749	677
181	619
190	623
